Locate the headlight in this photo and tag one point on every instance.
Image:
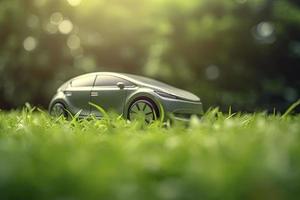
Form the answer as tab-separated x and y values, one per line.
166	95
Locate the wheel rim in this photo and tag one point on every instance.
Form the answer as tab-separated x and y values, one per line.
142	110
58	110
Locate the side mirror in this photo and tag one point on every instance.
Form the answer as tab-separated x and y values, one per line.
121	85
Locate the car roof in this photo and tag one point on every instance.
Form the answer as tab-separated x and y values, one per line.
136	79
119	75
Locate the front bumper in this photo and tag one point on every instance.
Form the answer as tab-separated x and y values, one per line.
181	110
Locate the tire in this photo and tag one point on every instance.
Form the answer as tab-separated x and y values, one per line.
143	109
58	109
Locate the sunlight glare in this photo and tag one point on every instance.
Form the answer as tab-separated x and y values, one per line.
74	2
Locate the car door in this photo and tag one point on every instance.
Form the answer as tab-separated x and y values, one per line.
78	94
108	95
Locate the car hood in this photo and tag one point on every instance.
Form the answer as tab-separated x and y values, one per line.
163	87
182	94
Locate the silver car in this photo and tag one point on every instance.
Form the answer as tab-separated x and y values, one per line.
131	95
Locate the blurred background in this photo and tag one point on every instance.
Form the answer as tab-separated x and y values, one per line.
239	53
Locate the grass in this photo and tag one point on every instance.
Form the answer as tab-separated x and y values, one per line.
221	156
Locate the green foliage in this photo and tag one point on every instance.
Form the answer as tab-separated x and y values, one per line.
229	52
220	156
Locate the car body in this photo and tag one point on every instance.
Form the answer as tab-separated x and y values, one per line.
126	94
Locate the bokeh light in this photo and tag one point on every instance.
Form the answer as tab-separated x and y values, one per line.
265	29
30	43
51	28
212	72
56	18
264	32
73	42
32	21
65	27
241	1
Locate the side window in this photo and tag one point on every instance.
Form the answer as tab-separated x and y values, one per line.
106	80
83	82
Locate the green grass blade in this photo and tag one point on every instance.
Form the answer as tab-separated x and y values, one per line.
100	109
291	108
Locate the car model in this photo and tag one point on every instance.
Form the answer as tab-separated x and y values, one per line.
132	96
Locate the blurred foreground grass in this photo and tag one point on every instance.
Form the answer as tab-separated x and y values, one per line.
218	157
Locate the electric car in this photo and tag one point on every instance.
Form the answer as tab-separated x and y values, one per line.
132	96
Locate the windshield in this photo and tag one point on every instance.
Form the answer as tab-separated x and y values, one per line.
150	81
165	87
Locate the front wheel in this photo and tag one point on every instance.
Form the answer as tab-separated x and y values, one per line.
58	110
144	110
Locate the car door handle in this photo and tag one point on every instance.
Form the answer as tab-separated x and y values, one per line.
94	94
68	94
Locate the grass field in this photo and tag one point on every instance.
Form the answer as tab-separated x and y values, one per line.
221	156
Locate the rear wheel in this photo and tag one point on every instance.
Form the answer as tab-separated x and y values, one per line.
58	110
143	109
